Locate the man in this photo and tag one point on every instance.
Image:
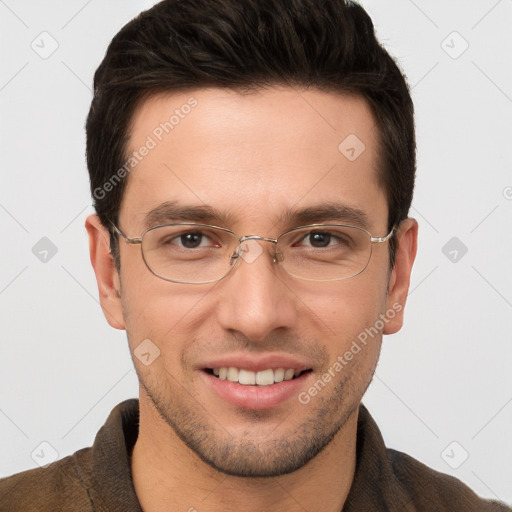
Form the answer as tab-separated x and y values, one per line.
252	165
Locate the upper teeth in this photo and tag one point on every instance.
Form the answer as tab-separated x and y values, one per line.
261	378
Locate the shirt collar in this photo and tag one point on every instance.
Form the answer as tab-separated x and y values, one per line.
110	484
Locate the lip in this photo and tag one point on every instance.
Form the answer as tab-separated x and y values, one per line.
255	397
257	363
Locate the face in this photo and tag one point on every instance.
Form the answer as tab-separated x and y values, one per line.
256	164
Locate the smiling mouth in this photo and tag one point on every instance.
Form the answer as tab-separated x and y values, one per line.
266	377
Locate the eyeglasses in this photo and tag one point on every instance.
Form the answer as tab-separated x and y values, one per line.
200	253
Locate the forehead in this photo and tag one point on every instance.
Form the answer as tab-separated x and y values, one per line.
253	157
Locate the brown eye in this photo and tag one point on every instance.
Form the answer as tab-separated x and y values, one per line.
191	240
319	239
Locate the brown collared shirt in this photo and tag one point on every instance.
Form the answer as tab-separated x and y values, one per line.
98	479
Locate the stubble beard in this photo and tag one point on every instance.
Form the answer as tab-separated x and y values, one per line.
281	452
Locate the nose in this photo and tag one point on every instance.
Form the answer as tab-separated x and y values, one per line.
256	297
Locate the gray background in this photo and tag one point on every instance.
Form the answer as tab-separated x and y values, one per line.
443	389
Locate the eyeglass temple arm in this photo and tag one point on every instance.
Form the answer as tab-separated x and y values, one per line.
380	239
127	239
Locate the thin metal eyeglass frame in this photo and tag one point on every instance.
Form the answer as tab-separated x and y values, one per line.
236	255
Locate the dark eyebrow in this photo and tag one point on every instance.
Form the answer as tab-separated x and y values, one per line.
323	213
172	211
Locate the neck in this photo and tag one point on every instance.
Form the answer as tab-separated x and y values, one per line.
167	475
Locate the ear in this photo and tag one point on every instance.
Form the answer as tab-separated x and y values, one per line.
107	276
398	287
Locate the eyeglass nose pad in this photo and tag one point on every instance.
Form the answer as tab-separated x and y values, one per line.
239	253
234	257
278	257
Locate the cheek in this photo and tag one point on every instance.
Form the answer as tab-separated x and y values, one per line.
346	304
344	316
166	313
